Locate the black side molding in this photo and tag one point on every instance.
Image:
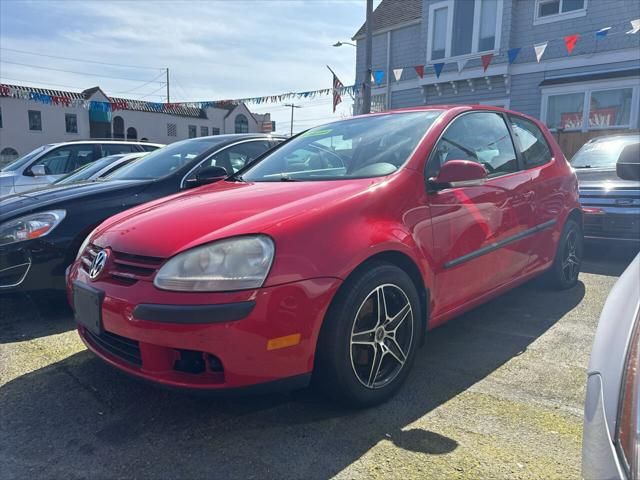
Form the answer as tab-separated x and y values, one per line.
500	244
199	314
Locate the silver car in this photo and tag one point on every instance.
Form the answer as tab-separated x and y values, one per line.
611	438
47	163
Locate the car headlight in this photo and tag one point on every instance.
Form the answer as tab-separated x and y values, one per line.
85	242
237	263
31	226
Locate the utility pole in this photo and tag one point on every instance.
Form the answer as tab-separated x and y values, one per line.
366	94
168	98
292	107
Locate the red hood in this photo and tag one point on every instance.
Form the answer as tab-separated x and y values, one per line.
170	225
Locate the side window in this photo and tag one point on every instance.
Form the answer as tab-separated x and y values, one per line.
66	159
115	149
531	142
234	158
480	137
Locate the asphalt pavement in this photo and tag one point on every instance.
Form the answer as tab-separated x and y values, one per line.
495	393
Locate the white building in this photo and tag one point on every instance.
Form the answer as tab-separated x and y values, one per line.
26	124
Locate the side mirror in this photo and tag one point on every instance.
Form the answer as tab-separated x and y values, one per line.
206	176
39	170
628	165
458	173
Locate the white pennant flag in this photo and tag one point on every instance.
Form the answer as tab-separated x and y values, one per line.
373	79
540	48
635	26
397	73
461	64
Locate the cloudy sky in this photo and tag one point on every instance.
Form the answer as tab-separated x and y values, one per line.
214	49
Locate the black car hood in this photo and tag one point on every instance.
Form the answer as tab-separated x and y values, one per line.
603	177
37	200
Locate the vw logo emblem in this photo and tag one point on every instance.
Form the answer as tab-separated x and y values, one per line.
98	264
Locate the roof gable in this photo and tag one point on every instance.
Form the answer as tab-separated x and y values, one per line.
393	12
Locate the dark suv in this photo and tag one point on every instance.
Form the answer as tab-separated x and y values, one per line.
52	161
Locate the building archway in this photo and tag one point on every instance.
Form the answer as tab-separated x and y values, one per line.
242	124
118	127
132	133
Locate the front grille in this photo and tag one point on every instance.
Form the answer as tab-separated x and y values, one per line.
622	198
614	226
121	347
124	268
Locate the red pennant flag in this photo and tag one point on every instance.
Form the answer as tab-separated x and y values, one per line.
419	70
570	42
486	60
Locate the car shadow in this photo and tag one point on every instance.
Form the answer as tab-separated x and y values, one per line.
607	258
79	417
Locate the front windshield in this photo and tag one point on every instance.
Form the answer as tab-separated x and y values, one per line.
166	160
371	146
22	161
602	153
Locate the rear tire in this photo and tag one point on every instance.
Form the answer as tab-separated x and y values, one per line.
566	265
364	353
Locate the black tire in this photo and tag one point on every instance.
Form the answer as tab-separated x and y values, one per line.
341	368
566	265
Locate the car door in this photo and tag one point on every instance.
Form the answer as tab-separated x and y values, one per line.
57	163
479	232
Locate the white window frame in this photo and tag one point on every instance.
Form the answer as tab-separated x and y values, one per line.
587	88
558	17
449	4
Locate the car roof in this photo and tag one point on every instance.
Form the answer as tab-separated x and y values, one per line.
605	138
105	140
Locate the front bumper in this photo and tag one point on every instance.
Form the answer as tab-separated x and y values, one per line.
253	337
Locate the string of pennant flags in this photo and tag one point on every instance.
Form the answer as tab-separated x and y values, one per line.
570	42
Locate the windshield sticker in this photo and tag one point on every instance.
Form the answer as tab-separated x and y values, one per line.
317	133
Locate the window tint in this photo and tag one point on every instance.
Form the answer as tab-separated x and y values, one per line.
66	159
531	142
115	149
479	137
234	158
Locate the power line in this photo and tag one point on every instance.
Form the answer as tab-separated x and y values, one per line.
140	86
79	59
150	94
42	83
71	71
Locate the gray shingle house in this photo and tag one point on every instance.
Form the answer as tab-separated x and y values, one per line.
591	91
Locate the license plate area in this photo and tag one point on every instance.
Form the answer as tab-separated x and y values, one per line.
87	305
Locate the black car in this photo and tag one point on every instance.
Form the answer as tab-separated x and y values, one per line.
611	203
41	231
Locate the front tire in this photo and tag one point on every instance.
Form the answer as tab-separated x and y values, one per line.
369	338
566	265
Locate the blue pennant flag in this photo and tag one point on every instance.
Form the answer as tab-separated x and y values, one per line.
513	54
378	75
602	32
438	68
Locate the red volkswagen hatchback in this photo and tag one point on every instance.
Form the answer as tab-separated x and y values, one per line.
332	255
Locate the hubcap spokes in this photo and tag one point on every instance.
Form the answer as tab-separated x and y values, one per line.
571	259
379	350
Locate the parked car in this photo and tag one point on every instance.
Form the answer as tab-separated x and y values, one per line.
331	255
611	438
611	204
99	169
40	231
47	163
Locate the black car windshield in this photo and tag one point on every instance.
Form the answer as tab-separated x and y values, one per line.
87	171
362	147
22	161
602	153
166	160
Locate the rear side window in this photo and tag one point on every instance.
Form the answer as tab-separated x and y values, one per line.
109	149
533	146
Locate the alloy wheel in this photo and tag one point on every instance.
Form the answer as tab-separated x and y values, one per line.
571	257
381	336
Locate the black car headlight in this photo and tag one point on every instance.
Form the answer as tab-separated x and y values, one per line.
30	227
238	263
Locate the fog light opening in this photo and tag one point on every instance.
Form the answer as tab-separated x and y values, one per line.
190	362
215	365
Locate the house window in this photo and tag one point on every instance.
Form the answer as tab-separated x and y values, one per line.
463	28
242	124
556	10
591	106
204	131
215	131
71	122
192	131
35	120
172	130
378	103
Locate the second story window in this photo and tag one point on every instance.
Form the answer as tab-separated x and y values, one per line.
71	122
463	28
554	10
35	120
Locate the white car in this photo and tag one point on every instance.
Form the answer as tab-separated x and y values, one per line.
47	163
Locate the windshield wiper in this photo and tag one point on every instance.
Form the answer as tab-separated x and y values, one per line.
582	166
286	178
